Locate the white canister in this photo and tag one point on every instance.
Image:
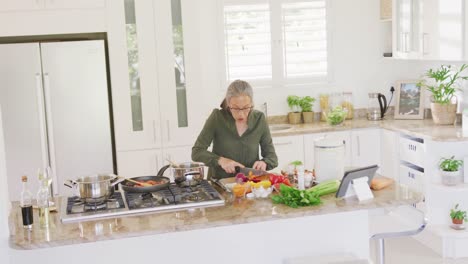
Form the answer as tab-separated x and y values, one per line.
329	159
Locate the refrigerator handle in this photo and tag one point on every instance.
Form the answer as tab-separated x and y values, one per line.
42	121
50	131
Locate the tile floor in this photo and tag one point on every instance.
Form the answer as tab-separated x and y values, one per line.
407	250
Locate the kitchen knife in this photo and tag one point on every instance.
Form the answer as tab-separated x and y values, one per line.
248	171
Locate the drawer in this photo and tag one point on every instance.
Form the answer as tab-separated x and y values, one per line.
412	151
412	177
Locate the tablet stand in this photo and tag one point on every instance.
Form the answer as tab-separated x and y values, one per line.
360	188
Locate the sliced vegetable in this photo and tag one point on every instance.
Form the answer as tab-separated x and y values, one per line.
241	177
274	179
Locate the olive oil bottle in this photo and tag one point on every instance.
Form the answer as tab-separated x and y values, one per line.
43	201
26	204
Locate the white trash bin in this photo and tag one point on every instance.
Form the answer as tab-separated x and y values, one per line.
329	154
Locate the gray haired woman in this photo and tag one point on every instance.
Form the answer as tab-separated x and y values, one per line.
236	130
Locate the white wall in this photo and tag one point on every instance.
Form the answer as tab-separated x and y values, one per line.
356	57
4	201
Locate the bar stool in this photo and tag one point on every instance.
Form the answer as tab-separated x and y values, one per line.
402	221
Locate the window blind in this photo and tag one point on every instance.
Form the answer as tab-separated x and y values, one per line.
304	39
247	39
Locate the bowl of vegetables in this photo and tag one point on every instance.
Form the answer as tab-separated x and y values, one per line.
336	116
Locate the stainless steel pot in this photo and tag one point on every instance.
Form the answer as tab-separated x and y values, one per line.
95	188
186	173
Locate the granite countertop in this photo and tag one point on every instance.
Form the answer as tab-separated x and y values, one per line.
418	128
239	211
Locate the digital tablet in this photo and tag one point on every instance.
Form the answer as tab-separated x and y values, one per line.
354	174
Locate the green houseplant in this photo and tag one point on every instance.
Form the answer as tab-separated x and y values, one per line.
445	82
306	103
294	116
450	170
457	215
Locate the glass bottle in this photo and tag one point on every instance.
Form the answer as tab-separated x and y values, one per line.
26	204
348	104
324	106
43	201
300	177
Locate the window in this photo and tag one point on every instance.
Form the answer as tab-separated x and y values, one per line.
279	41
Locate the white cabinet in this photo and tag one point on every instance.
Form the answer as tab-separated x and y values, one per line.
52	17
154	109
428	29
412	177
10	5
407	28
288	149
139	163
183	108
389	157
135	96
365	147
412	150
23	5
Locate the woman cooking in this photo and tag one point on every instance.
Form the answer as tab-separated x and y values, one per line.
236	130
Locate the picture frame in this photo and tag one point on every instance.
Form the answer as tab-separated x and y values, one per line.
409	100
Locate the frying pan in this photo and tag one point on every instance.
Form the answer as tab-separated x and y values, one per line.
130	186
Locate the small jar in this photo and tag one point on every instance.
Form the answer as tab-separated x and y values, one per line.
324	106
308	179
348	104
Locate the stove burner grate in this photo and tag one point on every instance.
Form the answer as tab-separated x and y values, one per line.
76	205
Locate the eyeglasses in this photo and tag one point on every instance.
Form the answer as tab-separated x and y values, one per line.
240	110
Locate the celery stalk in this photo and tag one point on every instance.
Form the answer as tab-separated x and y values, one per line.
326	187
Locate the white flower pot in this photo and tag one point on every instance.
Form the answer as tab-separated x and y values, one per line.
451	178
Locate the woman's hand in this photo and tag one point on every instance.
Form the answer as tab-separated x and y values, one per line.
260	165
229	165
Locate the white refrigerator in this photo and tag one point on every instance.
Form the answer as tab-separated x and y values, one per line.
55	108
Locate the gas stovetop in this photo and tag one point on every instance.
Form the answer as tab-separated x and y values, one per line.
122	203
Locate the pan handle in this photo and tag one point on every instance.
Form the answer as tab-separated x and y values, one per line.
117	180
191	173
162	170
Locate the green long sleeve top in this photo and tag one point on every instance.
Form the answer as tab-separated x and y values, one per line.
220	129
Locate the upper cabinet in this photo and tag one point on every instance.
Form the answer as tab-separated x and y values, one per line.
407	28
24	5
429	29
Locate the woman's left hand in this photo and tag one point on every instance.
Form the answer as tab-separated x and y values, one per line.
260	165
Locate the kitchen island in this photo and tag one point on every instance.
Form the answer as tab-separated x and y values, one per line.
250	231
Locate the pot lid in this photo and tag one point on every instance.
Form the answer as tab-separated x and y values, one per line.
329	143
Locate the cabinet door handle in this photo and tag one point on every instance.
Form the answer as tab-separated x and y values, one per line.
359	145
157	162
154	131
283	143
168	130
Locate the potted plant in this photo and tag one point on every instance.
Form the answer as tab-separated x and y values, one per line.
446	81
294	116
450	170
306	104
458	216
